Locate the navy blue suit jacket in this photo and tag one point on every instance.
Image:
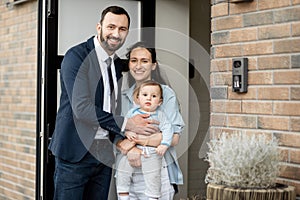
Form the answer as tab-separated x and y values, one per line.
81	103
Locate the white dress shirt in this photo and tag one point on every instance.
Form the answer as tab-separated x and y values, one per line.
102	57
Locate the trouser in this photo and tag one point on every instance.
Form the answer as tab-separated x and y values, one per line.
87	179
151	169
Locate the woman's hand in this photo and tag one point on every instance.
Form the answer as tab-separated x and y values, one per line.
175	139
125	145
134	157
161	149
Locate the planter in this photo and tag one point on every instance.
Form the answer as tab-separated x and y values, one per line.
221	192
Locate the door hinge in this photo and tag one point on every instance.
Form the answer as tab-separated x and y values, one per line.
41	134
50	8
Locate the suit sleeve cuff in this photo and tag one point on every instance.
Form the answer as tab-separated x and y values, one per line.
124	125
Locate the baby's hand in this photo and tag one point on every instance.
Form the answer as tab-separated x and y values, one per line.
130	135
161	149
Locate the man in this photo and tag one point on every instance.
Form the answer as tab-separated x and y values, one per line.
85	125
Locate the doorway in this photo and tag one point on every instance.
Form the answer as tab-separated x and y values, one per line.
58	21
200	24
183	43
187	21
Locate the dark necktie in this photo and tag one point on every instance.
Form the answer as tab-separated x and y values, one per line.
111	84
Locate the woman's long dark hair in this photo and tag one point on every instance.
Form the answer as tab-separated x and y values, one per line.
155	74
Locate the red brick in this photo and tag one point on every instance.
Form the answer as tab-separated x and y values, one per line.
287	77
257	107
284	154
273	123
219	65
217	131
290	14
267	4
288	139
226	23
220	9
226	107
258	19
295	124
274	31
296	28
220	37
266	133
287	46
251	94
268	36
274	62
258	48
218	120
287	108
242	121
273	93
243	35
242	8
18	52
290	172
295	156
224	78
295	93
260	78
228	51
252	63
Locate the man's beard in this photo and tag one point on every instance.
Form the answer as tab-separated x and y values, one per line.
106	45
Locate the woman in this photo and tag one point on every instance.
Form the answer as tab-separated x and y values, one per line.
143	66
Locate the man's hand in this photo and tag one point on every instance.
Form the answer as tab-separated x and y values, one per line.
141	125
134	157
125	145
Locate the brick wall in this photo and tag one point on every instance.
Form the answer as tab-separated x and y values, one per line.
268	34
18	53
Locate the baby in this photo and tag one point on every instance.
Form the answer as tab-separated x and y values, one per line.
148	97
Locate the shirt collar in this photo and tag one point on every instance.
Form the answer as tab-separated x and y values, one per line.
103	54
129	93
138	109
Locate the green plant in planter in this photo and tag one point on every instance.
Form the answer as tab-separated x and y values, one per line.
243	161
